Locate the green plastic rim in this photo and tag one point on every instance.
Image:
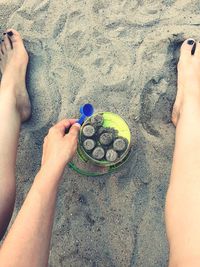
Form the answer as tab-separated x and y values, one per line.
96	174
111	120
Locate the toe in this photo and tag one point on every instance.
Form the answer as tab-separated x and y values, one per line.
197	50
1	53
3	48
187	48
7	42
14	36
16	33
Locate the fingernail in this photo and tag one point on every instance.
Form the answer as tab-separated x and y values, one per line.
10	33
2	40
190	42
77	124
4	33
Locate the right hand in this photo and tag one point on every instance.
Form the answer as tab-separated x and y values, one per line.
59	148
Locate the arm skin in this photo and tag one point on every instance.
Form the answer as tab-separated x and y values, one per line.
28	241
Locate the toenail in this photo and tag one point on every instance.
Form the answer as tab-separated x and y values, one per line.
10	33
190	42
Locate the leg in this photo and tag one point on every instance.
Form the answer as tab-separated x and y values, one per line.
14	109
183	197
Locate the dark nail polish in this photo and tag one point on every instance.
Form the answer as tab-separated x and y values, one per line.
190	42
10	33
4	33
2	40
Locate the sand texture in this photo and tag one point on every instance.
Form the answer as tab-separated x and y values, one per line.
121	56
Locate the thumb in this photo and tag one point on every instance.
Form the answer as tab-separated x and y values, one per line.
74	130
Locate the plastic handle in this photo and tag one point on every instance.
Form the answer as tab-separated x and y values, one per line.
86	111
81	120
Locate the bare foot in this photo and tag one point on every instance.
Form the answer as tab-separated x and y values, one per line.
188	77
13	66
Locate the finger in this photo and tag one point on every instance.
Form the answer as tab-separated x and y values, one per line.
61	126
74	130
65	123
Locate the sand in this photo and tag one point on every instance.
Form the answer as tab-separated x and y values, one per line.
121	56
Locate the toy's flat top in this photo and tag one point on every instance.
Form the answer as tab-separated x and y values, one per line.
112	120
82	162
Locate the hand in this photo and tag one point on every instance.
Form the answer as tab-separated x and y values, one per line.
59	148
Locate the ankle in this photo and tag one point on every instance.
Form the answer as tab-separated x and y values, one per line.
190	109
8	94
8	102
12	84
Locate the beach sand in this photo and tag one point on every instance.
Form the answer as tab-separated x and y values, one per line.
120	56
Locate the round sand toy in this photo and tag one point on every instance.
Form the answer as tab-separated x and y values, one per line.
102	159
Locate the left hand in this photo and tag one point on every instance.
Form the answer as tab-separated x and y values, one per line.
59	148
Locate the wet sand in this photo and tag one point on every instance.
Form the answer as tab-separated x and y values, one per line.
120	56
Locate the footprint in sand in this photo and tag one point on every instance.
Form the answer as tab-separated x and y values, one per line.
44	96
158	82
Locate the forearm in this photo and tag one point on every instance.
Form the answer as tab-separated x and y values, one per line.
29	238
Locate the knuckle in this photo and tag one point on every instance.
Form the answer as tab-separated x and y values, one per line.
75	130
50	130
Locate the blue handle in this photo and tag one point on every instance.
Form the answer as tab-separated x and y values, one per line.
82	119
86	111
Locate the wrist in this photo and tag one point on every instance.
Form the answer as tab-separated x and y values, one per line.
46	184
48	177
52	169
